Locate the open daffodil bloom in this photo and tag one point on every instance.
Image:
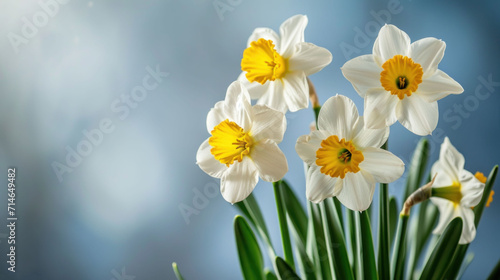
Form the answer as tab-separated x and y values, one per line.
345	158
275	67
401	81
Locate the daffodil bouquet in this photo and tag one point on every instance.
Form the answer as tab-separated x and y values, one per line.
345	156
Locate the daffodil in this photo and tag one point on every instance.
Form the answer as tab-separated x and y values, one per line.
401	81
345	158
275	67
243	145
455	191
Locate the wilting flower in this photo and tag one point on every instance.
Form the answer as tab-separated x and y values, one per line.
243	145
345	158
401	81
275	67
455	191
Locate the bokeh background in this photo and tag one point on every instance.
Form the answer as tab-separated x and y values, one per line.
116	211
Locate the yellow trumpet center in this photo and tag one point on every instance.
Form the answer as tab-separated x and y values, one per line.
452	193
401	76
262	62
229	142
337	157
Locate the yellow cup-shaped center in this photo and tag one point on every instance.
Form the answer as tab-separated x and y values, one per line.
337	157
262	62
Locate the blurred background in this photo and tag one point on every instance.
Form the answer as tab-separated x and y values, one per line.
128	85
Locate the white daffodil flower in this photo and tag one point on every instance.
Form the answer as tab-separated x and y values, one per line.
401	81
275	67
455	191
243	144
345	158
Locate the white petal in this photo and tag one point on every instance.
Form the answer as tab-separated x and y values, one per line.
274	97
451	160
380	108
438	86
384	166
363	73
307	145
256	90
418	115
239	181
309	58
208	163
365	137
268	124
237	105
390	42
320	186
427	52
216	116
446	213
265	33
445	176
469	228
338	116
357	190
292	33
472	189
269	160
296	91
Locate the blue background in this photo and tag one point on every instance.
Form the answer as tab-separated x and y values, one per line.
119	207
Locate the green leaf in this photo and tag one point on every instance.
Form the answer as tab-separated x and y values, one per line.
285	235
398	252
252	213
393	218
295	211
306	266
383	233
316	244
365	246
351	221
417	167
285	271
467	262
495	273
251	261
335	244
270	275
176	271
438	263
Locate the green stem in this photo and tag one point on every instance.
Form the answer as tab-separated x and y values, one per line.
398	253
383	231
285	235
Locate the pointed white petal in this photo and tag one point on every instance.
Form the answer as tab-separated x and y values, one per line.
292	33
471	188
357	190
208	163
338	116
309	58
274	97
383	165
237	105
365	137
296	91
438	86
469	228
256	90
307	145
380	108
269	160
363	73
320	186
451	160
446	213
418	115
239	181
427	52
445	176
390	42
215	116
265	33
268	124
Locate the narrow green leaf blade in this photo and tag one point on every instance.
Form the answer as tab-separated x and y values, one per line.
285	235
177	272
295	211
495	273
285	271
316	244
436	266
398	252
251	261
393	218
366	243
417	167
351	221
270	275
